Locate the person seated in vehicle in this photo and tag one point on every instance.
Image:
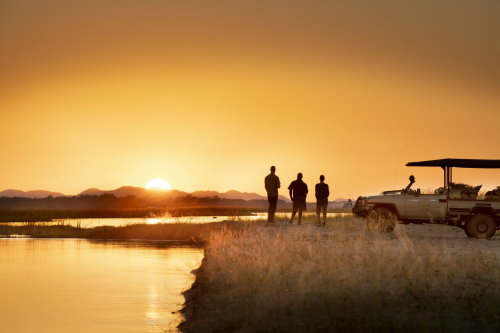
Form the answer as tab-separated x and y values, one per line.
493	195
412	181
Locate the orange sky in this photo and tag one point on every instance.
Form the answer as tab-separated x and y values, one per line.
209	94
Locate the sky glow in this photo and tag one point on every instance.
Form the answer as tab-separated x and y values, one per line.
351	90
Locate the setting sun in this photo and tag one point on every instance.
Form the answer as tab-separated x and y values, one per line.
159	183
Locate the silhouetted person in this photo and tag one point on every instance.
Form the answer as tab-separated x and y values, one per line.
298	193
412	181
272	183
322	194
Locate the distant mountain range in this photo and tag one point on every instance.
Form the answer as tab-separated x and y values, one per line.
141	192
30	194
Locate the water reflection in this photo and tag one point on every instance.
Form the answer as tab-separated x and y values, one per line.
55	285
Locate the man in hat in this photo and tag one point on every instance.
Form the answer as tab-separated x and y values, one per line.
298	193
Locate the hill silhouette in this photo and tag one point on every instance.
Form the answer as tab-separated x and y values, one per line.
30	194
137	191
142	192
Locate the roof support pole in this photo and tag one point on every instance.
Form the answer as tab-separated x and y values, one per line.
448	177
444	172
448	169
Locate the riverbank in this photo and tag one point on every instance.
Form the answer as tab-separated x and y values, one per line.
344	278
185	232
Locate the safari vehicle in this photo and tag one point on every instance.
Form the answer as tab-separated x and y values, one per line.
478	218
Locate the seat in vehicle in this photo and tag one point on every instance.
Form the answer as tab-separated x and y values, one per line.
470	194
493	195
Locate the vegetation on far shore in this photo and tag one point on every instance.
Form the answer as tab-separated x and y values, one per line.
342	278
47	215
111	201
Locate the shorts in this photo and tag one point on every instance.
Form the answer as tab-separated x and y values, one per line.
299	203
321	207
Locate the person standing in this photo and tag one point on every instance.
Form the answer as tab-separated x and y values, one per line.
322	194
298	193
272	184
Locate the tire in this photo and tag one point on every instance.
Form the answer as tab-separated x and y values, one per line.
480	226
466	232
381	219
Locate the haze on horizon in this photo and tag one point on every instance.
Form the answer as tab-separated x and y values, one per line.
209	94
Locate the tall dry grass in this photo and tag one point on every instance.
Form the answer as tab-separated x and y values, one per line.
342	278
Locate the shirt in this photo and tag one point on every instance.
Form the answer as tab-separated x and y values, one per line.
299	188
272	183
322	192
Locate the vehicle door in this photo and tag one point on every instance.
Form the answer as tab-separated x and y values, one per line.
399	201
422	206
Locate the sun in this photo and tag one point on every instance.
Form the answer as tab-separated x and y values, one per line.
159	183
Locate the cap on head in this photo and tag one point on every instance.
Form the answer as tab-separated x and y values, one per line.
273	168
321	177
299	176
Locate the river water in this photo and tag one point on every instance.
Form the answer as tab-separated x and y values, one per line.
76	285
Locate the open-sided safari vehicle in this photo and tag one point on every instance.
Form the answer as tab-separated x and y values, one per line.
478	218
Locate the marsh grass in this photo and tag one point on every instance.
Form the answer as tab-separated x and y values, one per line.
186	232
341	278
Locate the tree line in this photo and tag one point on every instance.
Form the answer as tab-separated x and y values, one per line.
111	201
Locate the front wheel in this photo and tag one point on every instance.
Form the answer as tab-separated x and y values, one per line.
381	219
480	226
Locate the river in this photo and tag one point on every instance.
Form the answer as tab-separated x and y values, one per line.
76	285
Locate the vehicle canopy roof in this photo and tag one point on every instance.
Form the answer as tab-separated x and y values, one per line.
458	163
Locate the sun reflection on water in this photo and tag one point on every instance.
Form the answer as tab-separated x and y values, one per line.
152	310
153	221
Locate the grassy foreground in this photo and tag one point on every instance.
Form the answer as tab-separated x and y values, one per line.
278	278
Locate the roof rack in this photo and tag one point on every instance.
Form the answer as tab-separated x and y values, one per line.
448	164
459	163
